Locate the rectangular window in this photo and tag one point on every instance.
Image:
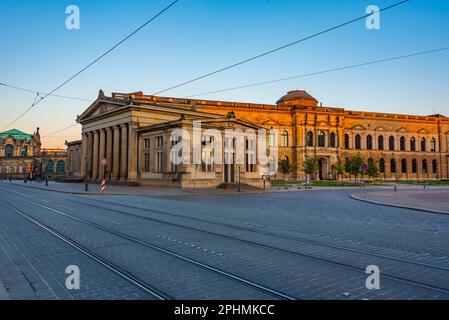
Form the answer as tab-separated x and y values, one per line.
159	162
250	159
147	162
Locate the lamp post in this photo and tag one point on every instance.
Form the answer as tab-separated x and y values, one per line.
86	185
238	185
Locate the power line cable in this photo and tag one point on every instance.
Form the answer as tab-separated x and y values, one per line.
321	72
60	130
279	48
40	92
93	62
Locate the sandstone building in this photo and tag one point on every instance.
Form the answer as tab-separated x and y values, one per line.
126	129
21	156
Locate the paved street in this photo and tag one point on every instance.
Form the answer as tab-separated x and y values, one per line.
279	245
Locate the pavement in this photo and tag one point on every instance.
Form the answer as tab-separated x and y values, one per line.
308	245
435	200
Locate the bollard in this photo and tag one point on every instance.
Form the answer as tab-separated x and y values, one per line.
86	187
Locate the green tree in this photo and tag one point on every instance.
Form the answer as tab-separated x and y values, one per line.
340	168
284	167
373	169
353	166
310	167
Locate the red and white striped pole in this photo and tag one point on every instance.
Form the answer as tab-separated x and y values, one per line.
103	186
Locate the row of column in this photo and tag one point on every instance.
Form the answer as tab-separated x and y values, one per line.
117	145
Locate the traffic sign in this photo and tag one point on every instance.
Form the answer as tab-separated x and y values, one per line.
104	162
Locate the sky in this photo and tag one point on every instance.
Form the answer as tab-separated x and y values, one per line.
195	37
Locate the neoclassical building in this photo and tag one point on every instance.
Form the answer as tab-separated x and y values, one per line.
125	129
21	155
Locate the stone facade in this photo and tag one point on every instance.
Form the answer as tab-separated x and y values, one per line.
74	149
21	156
404	146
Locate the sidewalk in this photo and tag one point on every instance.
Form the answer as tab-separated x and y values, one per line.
435	199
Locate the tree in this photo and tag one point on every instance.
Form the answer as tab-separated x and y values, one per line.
285	167
353	166
310	167
373	170
340	167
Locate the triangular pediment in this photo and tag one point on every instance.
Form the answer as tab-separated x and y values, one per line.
271	123
402	129
379	129
99	107
422	131
358	127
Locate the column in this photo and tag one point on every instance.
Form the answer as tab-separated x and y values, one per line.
102	153
116	153
124	152
132	152
109	151
95	159
83	168
90	142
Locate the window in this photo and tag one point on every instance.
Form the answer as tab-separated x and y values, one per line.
321	139
346	141
358	142
413	144
176	156
272	141
250	155
423	144
414	166
424	166
433	146
402	144
380	143
9	151
404	166
284	138
369	142
159	142
206	155
393	166
159	162
310	139
333	140
434	166
146	162
50	166
382	165
24	152
146	143
391	143
60	167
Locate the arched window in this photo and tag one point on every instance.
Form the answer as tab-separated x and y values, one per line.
393	166
434	166
60	167
369	142
358	142
404	166
333	140
433	145
413	144
321	139
414	166
284	138
382	165
50	166
310	139
391	143
346	141
424	166
423	144
380	143
9	151
24	151
402	144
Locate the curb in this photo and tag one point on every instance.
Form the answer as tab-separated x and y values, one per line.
386	204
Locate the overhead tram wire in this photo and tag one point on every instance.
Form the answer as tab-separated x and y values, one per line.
320	72
40	92
279	48
60	130
287	78
92	63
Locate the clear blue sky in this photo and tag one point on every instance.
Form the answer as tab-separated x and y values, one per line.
198	36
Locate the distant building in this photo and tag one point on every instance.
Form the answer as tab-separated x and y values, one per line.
21	156
126	129
74	160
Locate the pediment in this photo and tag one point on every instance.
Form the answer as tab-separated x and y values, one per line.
99	107
271	123
380	129
402	129
358	127
422	131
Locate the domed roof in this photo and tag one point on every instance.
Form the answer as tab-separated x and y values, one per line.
299	96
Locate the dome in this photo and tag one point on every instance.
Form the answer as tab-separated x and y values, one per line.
298	97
